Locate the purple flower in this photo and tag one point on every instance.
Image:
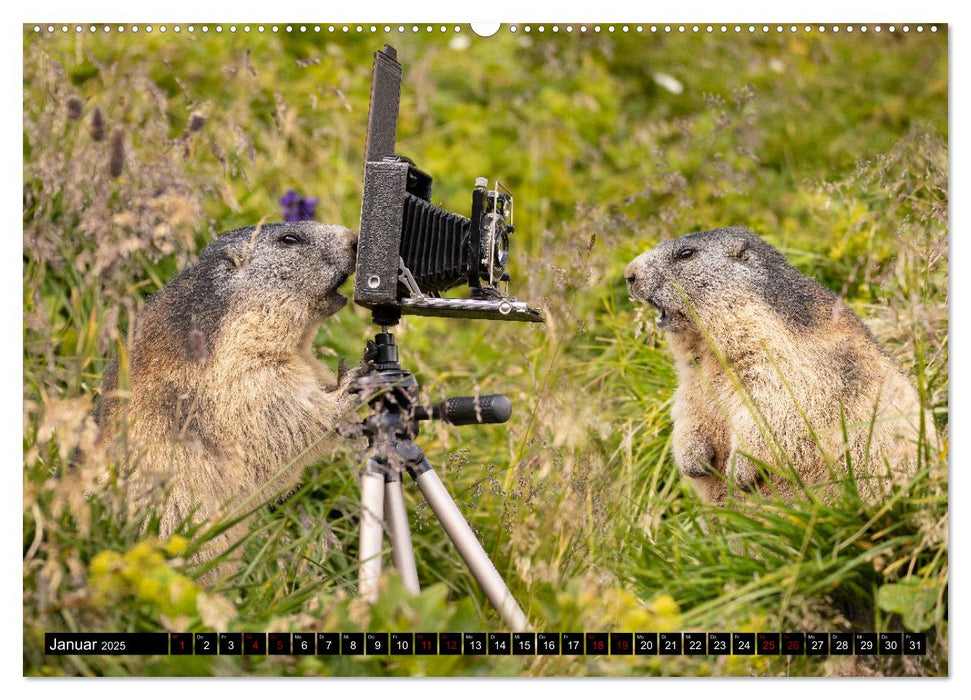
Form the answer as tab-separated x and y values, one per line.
296	207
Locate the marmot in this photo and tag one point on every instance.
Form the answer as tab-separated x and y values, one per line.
771	366
226	397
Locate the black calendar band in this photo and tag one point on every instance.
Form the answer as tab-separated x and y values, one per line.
488	643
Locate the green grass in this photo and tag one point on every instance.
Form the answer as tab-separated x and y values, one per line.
833	147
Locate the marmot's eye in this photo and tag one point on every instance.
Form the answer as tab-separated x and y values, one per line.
685	253
290	239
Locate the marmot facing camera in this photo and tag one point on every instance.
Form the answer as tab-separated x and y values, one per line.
226	398
771	366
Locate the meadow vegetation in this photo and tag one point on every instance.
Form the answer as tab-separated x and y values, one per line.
138	149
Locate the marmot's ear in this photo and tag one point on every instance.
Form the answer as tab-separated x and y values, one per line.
741	250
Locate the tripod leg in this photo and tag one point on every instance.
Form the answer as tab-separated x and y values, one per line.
402	552
372	532
475	557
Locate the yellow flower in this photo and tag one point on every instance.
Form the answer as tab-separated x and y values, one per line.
150	590
104	563
664	606
176	546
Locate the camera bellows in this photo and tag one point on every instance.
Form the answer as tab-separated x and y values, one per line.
434	245
409	251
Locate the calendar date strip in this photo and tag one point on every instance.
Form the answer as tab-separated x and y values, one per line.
487	643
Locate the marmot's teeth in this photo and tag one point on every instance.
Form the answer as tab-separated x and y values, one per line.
661	311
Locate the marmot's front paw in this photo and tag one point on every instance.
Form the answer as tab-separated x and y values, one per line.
696	459
347	376
744	472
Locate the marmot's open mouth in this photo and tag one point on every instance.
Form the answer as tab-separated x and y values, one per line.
663	319
340	283
332	299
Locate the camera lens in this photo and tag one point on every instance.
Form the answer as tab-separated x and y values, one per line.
501	248
495	250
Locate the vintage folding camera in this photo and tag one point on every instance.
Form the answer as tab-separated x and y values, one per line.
409	250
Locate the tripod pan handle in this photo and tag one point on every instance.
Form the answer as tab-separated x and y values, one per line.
472	410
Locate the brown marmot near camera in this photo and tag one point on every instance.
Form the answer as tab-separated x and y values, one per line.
226	400
772	369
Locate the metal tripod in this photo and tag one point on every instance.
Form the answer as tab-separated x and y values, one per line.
390	430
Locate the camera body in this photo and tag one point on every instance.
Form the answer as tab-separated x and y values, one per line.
410	250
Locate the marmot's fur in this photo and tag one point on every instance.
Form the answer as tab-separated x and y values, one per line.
771	366
226	398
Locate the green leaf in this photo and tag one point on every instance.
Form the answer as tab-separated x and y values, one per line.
914	600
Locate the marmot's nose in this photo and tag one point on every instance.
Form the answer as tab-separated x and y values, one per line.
630	274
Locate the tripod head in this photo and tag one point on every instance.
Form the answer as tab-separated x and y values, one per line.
394	398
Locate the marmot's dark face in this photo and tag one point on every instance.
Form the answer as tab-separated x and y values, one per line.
685	277
300	263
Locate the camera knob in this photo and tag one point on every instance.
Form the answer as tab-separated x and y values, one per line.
481	182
